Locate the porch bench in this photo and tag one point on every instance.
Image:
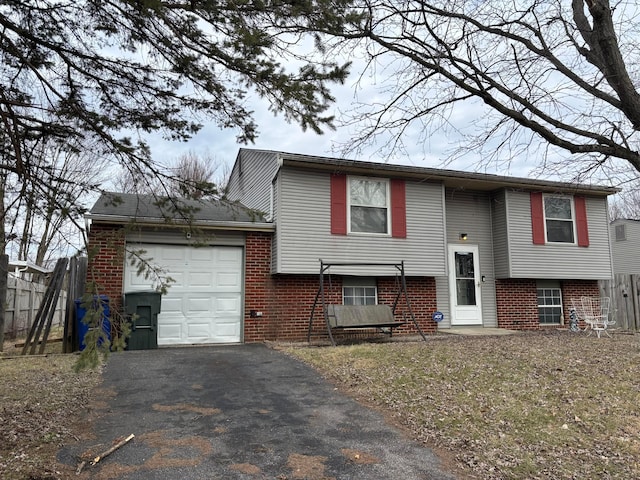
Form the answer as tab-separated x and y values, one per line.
362	316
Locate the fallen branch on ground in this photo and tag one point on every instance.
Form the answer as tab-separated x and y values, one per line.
105	453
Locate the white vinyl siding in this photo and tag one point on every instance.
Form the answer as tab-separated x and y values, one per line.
250	179
443	301
500	235
470	213
626	253
304	234
557	261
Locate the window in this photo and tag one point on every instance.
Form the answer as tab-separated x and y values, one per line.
621	233
359	291
558	215
368	206
549	303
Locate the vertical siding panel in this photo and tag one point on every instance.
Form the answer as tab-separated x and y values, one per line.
500	234
443	299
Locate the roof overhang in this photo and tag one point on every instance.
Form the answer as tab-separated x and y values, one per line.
162	223
450	178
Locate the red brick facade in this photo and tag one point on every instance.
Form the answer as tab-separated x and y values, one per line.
572	290
105	274
517	302
285	301
277	307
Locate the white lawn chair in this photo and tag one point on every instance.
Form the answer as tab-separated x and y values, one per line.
596	314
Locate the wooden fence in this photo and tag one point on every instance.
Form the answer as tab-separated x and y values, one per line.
624	291
23	301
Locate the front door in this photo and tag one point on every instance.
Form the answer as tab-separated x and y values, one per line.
464	285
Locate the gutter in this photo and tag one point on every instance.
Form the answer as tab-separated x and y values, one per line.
161	222
450	178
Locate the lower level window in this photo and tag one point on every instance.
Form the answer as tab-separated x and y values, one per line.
359	295
549	305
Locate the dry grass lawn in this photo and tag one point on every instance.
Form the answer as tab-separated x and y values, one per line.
40	402
529	406
555	405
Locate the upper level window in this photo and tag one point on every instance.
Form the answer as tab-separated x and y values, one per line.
368	205
558	215
621	234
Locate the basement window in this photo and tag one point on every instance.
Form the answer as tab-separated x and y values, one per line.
359	291
549	303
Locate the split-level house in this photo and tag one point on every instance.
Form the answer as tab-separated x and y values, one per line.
477	249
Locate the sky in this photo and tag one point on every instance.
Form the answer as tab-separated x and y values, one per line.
276	134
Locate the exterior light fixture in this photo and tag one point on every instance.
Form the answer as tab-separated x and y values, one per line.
463	236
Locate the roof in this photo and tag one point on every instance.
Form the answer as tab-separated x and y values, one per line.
450	178
28	267
151	209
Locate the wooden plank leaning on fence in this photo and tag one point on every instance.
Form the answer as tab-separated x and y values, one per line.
44	317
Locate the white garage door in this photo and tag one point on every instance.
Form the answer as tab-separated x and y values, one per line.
204	303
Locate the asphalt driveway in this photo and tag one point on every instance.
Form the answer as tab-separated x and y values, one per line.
238	412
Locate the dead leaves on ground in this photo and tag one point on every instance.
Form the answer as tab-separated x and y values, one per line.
533	405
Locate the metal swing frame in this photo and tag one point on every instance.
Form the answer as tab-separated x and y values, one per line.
321	298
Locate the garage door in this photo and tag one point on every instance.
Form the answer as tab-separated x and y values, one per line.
204	303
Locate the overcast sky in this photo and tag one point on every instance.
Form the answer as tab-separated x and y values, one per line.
276	134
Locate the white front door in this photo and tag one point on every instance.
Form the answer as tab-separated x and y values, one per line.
464	285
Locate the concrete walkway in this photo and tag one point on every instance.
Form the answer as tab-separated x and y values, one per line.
238	412
477	331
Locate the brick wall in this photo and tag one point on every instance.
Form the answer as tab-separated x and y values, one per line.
574	290
105	274
517	302
286	300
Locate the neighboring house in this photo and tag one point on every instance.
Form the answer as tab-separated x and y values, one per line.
484	250
625	246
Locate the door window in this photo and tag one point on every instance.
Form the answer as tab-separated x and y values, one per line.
465	278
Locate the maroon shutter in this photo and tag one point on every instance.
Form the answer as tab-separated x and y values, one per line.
537	218
338	204
581	221
398	209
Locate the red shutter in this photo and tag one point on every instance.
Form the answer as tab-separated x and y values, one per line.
338	204
398	209
581	221
537	218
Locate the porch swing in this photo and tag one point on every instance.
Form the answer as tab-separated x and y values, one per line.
348	317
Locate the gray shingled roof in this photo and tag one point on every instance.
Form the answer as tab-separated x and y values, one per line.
126	206
450	178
